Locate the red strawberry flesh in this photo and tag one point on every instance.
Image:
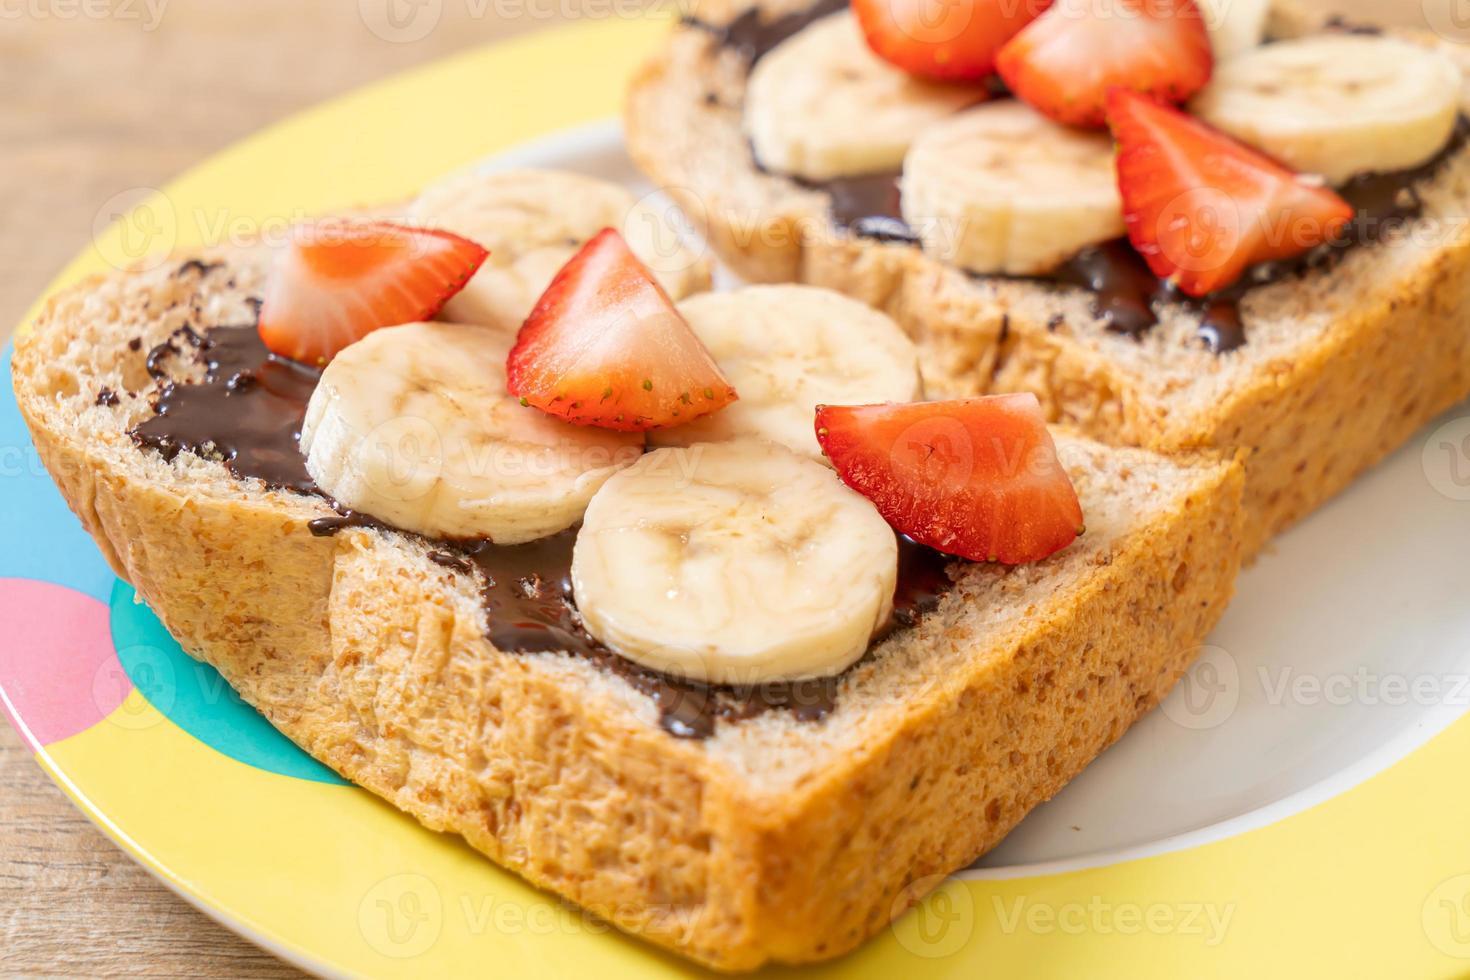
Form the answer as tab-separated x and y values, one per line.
335	282
1201	207
978	477
1065	62
606	347
946	40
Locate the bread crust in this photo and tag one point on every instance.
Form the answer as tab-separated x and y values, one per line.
775	840
1339	369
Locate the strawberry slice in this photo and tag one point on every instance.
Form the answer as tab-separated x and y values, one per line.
949	40
336	282
1201	208
978	478
1065	63
605	347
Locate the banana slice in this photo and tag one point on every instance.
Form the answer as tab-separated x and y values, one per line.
533	221
1235	26
413	426
1001	189
1337	104
788	349
734	563
823	105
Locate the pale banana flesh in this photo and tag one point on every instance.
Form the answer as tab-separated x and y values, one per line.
788	349
823	105
734	563
413	426
1337	104
532	222
1234	25
999	188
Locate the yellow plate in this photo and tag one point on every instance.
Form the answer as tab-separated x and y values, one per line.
1373	881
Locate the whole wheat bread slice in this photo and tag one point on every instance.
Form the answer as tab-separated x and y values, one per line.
1339	368
775	839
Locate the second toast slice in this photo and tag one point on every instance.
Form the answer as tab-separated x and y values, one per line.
1341	364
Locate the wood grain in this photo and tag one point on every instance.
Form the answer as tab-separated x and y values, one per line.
99	106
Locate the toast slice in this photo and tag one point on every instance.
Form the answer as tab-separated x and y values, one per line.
775	839
1340	366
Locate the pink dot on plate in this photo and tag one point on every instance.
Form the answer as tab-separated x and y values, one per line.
59	674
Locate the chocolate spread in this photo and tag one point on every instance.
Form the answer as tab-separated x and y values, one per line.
527	592
1126	292
753	36
867	206
247	412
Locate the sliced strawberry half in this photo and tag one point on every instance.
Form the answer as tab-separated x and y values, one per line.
605	347
335	282
949	40
1065	63
1202	208
978	478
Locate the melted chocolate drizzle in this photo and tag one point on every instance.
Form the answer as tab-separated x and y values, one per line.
1123	286
1343	25
753	36
1126	293
325	527
527	592
867	206
247	412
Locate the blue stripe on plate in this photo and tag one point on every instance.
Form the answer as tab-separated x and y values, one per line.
43	540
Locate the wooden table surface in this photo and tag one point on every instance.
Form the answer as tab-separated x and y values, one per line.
97	105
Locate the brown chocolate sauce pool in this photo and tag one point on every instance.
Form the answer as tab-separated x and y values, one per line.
1126	293
753	36
527	591
248	412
